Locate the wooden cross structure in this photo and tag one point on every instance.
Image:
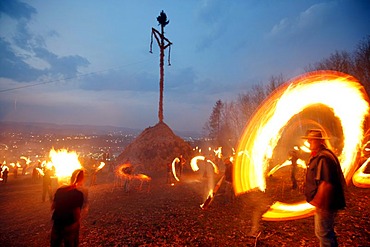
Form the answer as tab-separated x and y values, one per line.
163	43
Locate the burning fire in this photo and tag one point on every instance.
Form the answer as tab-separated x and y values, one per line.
268	124
195	167
300	163
361	179
102	164
64	162
175	160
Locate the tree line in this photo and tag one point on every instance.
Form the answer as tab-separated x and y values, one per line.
228	119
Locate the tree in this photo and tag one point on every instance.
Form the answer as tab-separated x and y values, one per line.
356	64
362	63
213	126
338	61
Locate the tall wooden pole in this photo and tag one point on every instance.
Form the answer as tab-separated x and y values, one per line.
161	76
163	43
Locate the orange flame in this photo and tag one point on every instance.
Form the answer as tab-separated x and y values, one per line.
65	163
267	125
102	164
176	160
361	179
195	167
300	163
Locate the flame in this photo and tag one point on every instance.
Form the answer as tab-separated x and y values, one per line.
142	177
41	172
361	179
218	152
120	170
300	163
267	125
211	194
102	164
28	160
175	160
283	211
64	162
194	162
195	167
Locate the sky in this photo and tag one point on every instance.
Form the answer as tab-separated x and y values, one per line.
88	62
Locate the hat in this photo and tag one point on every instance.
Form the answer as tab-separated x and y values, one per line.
314	134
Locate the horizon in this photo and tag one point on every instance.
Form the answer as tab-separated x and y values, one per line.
75	63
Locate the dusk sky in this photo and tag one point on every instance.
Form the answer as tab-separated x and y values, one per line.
88	62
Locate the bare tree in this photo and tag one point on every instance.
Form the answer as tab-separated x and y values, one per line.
362	63
339	61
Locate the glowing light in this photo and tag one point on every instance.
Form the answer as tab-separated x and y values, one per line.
218	152
266	127
120	170
41	172
175	160
102	164
195	167
283	211
194	162
361	179
300	163
28	160
212	194
65	163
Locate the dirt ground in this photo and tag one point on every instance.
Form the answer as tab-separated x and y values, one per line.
166	215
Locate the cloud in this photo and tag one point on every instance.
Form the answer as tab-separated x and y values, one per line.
212	16
16	9
280	27
303	21
120	80
26	56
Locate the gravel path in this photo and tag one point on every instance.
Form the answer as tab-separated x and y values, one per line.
171	216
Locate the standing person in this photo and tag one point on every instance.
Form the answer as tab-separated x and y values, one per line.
46	186
15	171
67	205
34	175
229	190
324	188
293	159
128	175
5	175
181	165
169	172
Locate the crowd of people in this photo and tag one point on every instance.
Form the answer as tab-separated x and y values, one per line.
324	189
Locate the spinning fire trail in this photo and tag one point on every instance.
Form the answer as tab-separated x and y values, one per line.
338	93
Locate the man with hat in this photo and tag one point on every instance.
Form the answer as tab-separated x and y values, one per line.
324	187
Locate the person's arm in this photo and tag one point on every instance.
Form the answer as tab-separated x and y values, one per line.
324	192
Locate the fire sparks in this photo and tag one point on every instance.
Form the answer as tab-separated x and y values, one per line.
268	124
212	194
